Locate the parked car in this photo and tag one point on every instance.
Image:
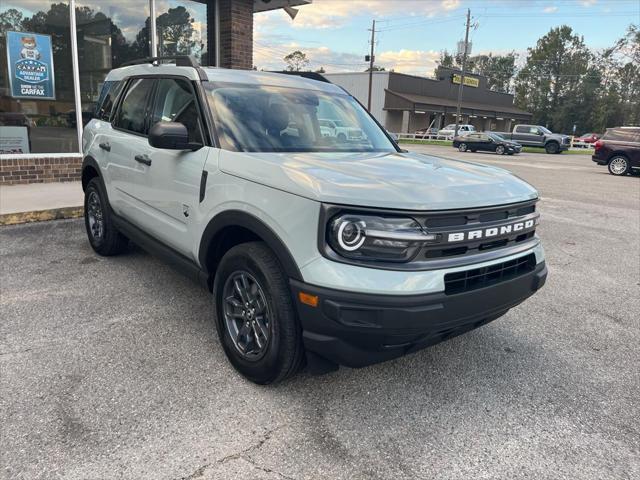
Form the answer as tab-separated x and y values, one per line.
449	130
425	132
486	142
341	131
538	136
325	252
587	138
619	149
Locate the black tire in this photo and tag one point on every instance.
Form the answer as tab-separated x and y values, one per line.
283	354
500	149
462	147
103	236
619	165
342	138
552	147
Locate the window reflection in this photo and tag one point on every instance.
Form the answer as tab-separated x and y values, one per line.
182	28
109	34
48	126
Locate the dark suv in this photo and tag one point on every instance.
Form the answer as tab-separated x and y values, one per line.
619	148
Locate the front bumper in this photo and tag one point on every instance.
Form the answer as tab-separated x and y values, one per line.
359	329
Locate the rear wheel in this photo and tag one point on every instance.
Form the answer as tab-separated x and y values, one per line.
552	147
619	165
462	147
500	149
104	237
255	315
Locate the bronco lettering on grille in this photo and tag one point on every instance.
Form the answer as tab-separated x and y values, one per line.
490	232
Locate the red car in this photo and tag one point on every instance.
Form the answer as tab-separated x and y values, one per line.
587	138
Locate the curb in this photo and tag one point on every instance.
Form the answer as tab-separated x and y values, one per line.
41	215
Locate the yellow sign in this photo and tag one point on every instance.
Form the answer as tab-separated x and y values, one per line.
468	81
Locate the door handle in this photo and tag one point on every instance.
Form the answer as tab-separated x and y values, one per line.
143	159
105	146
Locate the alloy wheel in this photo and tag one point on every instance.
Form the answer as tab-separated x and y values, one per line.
95	216
618	166
500	150
246	315
462	147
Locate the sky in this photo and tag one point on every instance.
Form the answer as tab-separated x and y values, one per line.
335	34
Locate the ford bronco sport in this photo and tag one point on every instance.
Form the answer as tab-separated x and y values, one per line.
316	250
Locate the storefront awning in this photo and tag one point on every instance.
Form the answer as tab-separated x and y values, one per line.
414	102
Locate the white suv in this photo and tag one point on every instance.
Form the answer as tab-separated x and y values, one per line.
318	251
449	130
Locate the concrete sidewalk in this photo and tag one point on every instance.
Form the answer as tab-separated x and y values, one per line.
40	201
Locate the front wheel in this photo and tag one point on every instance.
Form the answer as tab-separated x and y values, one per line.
552	147
619	165
500	150
462	147
255	315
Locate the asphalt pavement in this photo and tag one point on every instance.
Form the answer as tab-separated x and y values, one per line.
111	367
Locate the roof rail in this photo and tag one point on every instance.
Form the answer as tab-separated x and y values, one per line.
309	75
181	61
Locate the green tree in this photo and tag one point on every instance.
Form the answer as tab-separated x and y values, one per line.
296	61
375	68
499	69
10	20
551	81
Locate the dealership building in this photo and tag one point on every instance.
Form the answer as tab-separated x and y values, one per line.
406	103
55	55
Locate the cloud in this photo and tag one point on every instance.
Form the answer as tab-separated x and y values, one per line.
588	3
270	57
329	14
550	9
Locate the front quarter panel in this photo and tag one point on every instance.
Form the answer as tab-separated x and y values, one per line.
293	219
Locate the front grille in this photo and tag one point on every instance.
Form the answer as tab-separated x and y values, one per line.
443	223
468	280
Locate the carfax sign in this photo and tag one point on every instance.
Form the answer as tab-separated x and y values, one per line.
30	63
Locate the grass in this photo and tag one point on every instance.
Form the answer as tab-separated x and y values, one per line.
447	143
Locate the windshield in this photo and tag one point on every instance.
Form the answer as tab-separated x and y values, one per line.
545	130
495	136
258	118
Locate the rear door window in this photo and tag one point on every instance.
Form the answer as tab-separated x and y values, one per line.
132	113
107	98
622	135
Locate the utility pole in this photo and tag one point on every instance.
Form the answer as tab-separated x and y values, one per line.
371	60
464	66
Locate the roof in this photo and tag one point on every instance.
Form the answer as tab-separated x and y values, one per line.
265	5
214	74
445	102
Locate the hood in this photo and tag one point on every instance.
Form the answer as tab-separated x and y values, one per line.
407	181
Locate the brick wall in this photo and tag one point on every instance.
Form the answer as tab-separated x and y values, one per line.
236	34
14	171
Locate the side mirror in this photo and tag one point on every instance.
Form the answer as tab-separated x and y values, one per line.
171	136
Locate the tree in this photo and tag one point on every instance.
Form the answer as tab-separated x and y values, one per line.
296	61
551	81
10	20
375	68
321	70
499	69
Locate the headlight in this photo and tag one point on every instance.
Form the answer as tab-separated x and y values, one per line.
368	237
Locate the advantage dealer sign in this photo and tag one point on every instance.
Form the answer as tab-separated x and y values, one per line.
30	62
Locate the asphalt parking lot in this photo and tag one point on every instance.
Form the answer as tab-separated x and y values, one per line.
111	368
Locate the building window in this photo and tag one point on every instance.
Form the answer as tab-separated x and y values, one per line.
181	27
110	33
39	123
